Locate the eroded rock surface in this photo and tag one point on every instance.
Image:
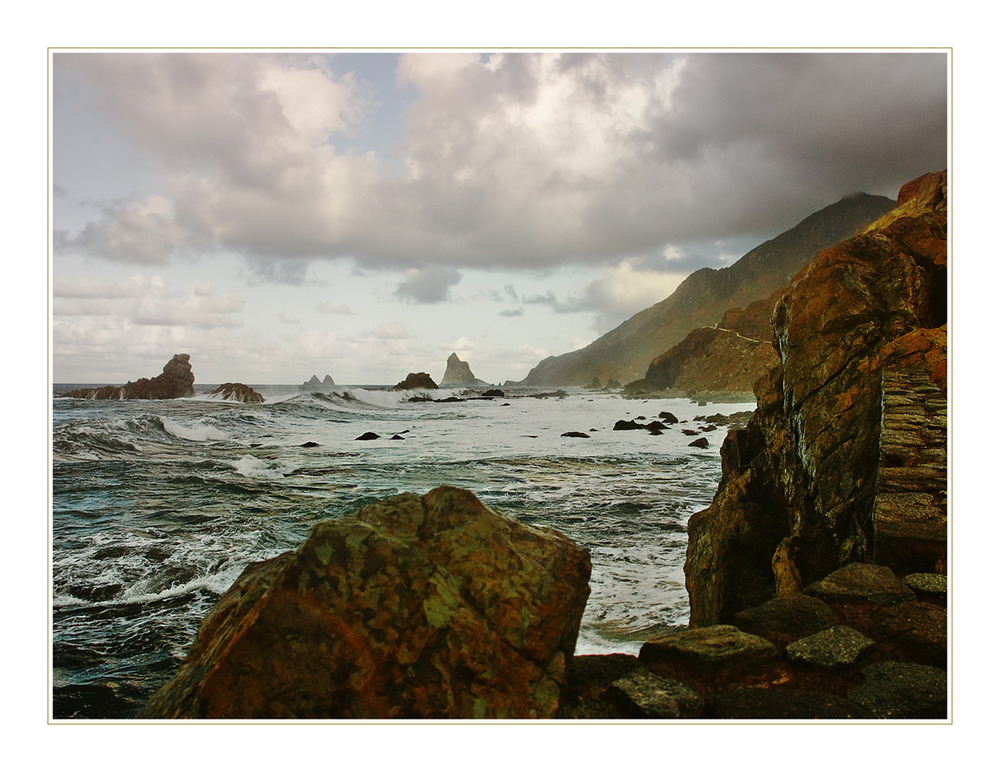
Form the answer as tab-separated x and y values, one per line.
427	606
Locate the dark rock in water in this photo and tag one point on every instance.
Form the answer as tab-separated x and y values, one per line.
656	432
656	426
576	434
493	393
414	607
237	392
368	436
668	417
176	380
397	437
450	399
690	432
309	444
416	381
624	426
701	442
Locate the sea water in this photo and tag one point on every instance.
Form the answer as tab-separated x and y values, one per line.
158	506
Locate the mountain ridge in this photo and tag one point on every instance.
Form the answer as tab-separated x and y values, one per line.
624	353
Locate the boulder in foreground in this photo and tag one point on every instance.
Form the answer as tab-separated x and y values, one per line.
427	606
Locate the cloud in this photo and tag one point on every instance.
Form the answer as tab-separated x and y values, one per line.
326	307
147	301
428	285
524	160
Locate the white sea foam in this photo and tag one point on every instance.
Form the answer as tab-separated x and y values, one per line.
199	432
255	468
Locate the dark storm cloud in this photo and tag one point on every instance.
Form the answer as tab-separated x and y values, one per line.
526	160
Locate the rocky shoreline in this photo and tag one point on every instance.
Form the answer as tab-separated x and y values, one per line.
817	577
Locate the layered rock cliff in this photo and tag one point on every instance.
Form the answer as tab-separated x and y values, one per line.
809	485
705	296
176	380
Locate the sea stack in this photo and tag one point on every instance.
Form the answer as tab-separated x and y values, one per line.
458	373
416	381
176	380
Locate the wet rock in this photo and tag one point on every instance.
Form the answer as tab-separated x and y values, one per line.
310	444
835	647
237	392
668	417
707	653
427	606
416	381
624	426
860	582
368	436
701	442
176	381
902	690
576	434
787	618
643	694
927	585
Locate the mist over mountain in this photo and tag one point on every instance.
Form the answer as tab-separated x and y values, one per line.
624	353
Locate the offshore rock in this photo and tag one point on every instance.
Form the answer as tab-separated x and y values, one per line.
237	392
415	381
176	380
458	373
427	606
800	494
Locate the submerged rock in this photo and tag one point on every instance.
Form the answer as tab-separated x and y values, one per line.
427	606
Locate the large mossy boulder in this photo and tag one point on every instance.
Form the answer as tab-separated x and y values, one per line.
427	606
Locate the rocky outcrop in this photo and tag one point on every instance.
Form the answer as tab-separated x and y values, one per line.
856	644
176	380
458	373
316	384
705	296
415	381
427	606
711	360
811	483
236	392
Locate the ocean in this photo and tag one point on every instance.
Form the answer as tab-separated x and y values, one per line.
158	506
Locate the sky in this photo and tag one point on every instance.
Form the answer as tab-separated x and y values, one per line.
364	214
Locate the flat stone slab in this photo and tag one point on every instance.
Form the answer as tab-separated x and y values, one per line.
835	647
931	584
787	618
860	582
708	649
647	695
902	690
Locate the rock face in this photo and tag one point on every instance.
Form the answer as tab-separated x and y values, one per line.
712	360
416	381
413	607
176	380
237	392
458	373
705	296
827	471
